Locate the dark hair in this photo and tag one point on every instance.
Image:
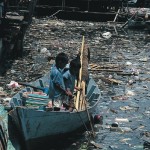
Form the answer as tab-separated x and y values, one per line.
75	66
61	59
75	63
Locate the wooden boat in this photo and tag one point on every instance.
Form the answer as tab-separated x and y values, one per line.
147	25
3	137
3	129
137	23
36	122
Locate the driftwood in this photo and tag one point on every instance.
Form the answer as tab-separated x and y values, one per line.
109	70
105	66
96	145
125	73
110	81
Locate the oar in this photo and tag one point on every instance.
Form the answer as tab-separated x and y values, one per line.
32	86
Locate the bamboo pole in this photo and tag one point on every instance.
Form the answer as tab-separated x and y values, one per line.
81	103
80	75
116	15
82	97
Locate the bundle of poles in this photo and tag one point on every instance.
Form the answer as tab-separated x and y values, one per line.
80	100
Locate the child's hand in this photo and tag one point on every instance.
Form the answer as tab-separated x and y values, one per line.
50	104
68	93
78	89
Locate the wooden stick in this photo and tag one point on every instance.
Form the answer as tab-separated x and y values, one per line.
93	133
116	15
80	76
81	94
129	19
82	100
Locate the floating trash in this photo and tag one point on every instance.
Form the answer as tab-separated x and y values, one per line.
13	84
107	35
121	119
128	63
120	97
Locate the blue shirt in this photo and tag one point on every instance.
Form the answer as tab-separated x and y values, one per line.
69	80
56	77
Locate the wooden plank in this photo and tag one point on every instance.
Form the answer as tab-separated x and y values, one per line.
106	66
109	70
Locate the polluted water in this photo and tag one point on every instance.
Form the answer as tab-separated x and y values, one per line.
119	63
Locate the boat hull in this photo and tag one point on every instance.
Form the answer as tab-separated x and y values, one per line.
137	23
148	25
35	123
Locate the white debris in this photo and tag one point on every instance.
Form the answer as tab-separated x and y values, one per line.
128	63
13	84
107	35
12	71
7	99
1	89
121	119
44	50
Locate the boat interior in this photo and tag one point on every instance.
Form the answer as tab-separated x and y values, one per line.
36	100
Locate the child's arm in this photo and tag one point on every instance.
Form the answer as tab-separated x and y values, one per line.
77	88
66	92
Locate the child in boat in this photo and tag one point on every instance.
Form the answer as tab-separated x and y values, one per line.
71	75
57	86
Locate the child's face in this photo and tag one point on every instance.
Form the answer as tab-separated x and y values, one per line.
62	65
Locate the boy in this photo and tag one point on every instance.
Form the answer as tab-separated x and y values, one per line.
57	86
71	75
69	79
